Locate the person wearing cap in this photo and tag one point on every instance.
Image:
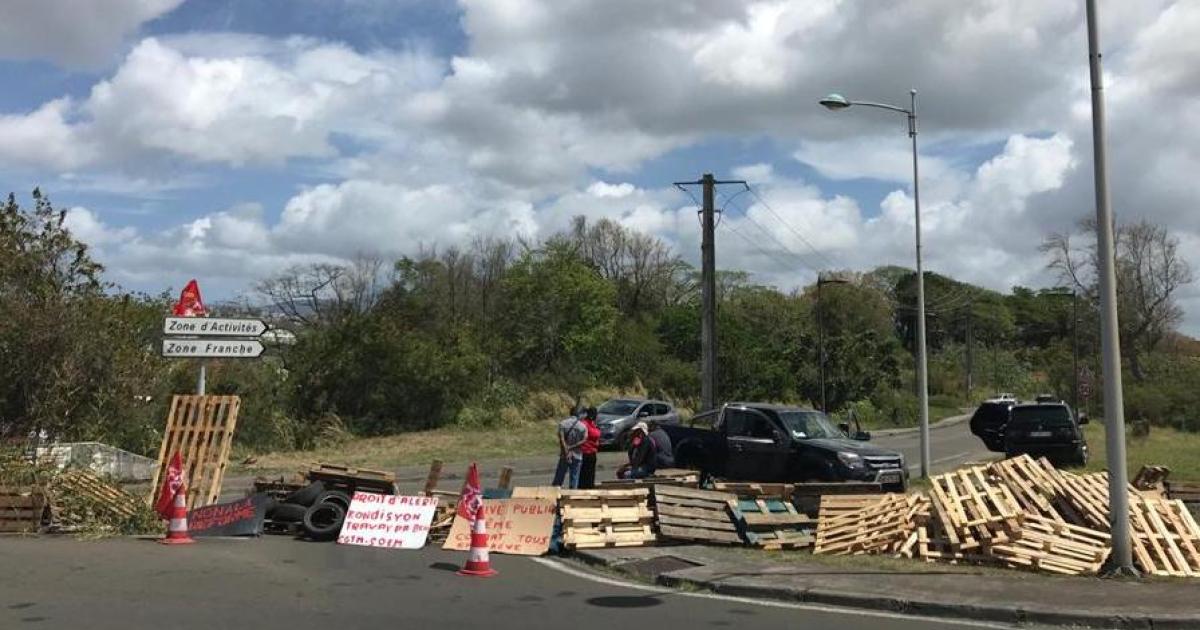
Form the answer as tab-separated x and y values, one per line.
589	449
640	453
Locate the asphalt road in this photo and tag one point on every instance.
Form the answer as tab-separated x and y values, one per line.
950	445
276	583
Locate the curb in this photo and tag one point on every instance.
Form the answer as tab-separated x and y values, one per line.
948	422
1045	616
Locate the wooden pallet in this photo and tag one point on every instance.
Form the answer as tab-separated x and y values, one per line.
976	510
1166	539
200	429
606	518
782	491
1183	491
550	493
1036	487
1054	546
833	506
1152	478
771	523
22	510
695	515
100	494
350	479
888	525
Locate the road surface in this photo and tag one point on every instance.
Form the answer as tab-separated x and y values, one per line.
276	583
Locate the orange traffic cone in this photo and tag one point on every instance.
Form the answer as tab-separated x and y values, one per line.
177	527
478	564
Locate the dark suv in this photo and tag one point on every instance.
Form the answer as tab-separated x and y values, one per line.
989	421
1049	429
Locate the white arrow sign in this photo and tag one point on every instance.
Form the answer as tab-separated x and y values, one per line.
213	327
211	348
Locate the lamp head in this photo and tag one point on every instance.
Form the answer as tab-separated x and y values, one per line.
834	102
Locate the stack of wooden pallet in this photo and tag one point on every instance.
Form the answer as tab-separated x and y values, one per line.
772	523
606	518
686	514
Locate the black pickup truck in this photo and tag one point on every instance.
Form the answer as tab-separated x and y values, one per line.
775	443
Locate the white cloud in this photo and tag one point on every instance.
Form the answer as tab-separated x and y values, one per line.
73	33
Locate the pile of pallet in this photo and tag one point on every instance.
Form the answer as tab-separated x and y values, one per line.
22	509
664	477
685	514
1019	513
606	518
81	497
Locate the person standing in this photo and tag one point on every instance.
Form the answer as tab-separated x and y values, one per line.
572	433
591	446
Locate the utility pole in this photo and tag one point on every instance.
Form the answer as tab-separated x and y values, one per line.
1110	341
708	287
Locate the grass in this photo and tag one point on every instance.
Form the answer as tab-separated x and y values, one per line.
417	448
1168	447
863	563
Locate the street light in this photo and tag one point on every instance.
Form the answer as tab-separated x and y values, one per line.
821	330
837	102
1074	342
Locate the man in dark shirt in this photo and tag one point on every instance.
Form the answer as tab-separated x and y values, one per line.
651	454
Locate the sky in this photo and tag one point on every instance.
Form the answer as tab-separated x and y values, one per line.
228	140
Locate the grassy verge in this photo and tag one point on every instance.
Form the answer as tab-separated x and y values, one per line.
1168	447
416	448
861	564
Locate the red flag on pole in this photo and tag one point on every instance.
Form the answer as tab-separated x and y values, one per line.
171	486
190	304
470	501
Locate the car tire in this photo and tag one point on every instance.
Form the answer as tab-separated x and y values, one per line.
287	513
323	521
334	496
307	495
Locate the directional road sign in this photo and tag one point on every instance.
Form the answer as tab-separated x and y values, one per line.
213	327
211	348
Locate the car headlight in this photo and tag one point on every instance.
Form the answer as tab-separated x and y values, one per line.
850	460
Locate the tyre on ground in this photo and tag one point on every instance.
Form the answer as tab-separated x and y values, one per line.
334	496
323	521
287	513
307	495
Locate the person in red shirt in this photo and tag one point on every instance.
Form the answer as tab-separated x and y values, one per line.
591	446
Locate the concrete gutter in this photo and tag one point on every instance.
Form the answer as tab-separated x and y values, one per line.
733	580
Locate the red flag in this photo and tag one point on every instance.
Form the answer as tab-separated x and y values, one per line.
470	501
171	486
190	304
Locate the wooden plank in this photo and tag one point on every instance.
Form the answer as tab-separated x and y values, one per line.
674	532
693	512
431	480
692	493
505	481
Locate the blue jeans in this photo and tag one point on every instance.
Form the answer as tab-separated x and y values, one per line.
567	465
641	472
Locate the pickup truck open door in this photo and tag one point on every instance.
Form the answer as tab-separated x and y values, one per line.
758	449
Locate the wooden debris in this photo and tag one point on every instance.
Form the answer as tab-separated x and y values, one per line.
200	429
1151	478
1186	492
1166	539
665	477
22	510
435	475
100	495
885	525
975	510
1054	546
695	515
782	491
606	518
505	481
277	488
772	523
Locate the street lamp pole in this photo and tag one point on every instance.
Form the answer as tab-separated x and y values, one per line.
837	102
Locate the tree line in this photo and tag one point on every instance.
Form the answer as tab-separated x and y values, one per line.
467	336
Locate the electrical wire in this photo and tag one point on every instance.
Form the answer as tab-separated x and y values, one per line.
789	227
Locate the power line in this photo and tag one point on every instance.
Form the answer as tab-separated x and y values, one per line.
792	229
783	246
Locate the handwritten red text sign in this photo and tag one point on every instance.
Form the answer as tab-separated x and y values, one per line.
516	526
389	521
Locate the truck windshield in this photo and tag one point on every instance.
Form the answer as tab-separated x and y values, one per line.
809	424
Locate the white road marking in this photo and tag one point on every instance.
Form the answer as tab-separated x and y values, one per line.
600	579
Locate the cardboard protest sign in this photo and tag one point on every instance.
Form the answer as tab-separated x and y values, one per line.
515	526
243	517
388	521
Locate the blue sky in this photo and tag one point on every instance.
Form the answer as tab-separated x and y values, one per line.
228	140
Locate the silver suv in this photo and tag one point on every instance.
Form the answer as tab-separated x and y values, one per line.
617	416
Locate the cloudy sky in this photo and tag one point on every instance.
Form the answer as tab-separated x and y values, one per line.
229	139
